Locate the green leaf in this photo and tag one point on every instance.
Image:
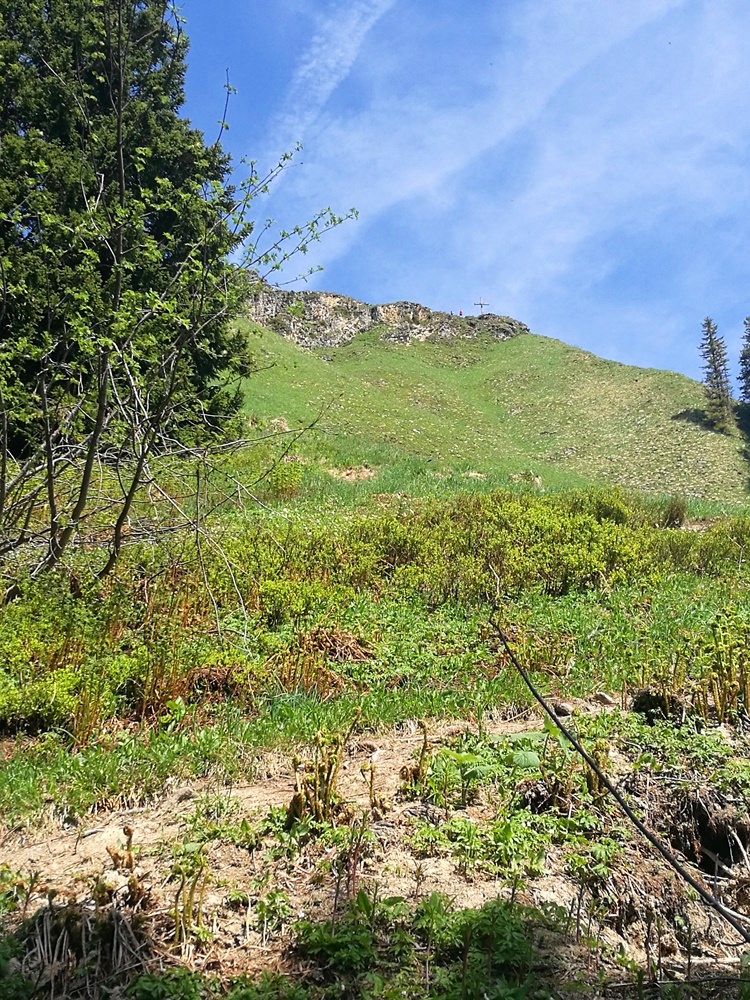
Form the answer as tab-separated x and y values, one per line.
526	759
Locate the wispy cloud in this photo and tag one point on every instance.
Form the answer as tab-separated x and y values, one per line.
406	144
580	163
338	35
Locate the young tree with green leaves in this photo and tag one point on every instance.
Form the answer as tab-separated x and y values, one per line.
716	377
117	222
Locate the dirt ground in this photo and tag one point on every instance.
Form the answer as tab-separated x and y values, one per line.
126	859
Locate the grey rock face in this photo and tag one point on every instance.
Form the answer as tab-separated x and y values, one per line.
325	319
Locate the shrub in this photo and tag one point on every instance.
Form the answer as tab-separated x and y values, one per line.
674	512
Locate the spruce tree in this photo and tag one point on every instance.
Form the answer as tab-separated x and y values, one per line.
744	376
117	218
716	377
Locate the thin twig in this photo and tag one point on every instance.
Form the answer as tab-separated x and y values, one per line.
735	920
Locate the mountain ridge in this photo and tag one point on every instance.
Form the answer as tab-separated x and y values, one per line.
329	319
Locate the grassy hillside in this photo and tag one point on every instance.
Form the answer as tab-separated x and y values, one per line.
310	749
500	409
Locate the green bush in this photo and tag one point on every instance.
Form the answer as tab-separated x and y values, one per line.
673	513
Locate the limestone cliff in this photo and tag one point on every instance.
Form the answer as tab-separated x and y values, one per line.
325	319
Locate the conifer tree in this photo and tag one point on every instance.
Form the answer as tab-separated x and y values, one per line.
716	377
744	377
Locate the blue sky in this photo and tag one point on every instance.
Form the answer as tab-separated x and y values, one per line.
582	165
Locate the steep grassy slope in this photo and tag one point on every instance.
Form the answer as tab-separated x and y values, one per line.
502	408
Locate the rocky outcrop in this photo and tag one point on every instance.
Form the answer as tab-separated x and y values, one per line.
325	319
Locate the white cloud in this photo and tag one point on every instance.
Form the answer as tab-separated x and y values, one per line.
582	129
403	146
338	35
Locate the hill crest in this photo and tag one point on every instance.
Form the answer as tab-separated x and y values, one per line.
328	319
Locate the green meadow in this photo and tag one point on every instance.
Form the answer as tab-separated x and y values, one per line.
498	408
290	756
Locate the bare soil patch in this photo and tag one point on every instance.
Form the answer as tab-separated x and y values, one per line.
96	870
353	473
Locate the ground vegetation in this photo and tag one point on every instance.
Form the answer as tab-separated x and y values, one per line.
441	415
289	753
322	775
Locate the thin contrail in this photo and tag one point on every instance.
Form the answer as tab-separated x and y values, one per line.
332	51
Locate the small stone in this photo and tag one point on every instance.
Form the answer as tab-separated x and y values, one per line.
603	698
668	944
562	708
